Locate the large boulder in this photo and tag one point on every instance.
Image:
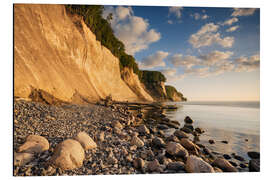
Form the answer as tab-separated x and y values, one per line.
137	141
68	155
195	164
175	149
254	165
86	141
225	165
34	144
253	155
20	159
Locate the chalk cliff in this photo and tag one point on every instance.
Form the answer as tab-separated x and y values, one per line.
57	53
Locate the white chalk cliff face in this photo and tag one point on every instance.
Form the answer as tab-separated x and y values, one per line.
53	54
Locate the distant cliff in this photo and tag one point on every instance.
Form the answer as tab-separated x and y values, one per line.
173	94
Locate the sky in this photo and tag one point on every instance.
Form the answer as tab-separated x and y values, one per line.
208	54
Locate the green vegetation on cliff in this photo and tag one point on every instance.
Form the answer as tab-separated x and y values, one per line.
92	16
152	76
171	92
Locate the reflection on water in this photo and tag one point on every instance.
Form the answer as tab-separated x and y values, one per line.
239	125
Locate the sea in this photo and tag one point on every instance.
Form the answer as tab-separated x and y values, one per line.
235	122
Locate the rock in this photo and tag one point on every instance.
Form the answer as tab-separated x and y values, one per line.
137	141
86	141
172	138
217	170
142	129
225	142
20	159
254	165
233	163
253	155
226	156
224	165
34	144
243	165
189	126
188	120
153	166
195	164
186	130
187	144
211	141
175	149
112	160
133	148
68	155
100	136
199	130
180	134
158	142
129	158
239	158
117	124
138	163
176	166
162	126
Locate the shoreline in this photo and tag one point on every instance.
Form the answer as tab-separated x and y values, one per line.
116	153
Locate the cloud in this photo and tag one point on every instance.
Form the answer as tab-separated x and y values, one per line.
184	61
214	57
243	11
172	75
200	72
132	30
229	22
176	11
233	28
170	22
247	63
198	16
154	60
208	35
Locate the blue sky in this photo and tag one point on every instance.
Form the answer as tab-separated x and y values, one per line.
206	53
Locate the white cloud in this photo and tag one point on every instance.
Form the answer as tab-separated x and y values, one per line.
172	75
154	60
215	57
184	61
176	11
198	16
205	16
229	22
170	22
247	63
208	35
132	30
243	11
233	28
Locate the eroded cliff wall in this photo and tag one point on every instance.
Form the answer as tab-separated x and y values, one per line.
57	53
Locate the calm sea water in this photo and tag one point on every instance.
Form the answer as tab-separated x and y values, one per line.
231	121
